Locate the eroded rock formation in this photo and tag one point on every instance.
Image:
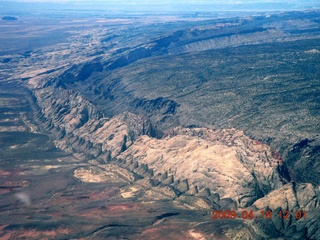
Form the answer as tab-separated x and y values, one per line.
224	161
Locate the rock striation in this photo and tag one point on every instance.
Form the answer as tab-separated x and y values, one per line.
301	201
79	127
222	162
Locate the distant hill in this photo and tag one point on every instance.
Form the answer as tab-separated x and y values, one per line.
9	18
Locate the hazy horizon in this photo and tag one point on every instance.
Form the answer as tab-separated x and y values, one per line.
27	7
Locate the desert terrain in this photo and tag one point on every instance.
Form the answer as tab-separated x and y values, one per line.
140	127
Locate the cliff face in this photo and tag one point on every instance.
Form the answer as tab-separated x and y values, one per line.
226	162
254	74
78	126
197	168
299	202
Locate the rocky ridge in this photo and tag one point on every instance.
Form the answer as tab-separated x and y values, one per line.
293	198
199	168
222	162
77	126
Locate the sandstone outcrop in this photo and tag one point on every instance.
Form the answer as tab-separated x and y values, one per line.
301	201
78	126
224	161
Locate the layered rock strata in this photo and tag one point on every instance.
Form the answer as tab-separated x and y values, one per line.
78	126
299	206
222	162
200	168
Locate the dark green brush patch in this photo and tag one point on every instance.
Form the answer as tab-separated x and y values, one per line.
40	225
9	124
165	215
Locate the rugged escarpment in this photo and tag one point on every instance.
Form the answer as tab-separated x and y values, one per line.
300	203
224	166
273	100
203	90
78	126
222	162
197	168
269	89
226	162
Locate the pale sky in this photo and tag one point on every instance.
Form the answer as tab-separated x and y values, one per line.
177	1
178	4
194	2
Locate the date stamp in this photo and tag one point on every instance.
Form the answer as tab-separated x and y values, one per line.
268	214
